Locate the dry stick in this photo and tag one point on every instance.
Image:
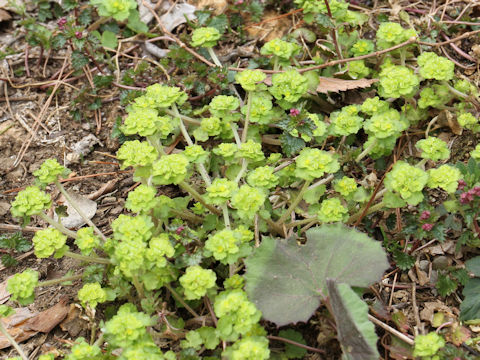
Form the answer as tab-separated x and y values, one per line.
391	330
333	32
26	145
177	40
306	347
415	308
463	36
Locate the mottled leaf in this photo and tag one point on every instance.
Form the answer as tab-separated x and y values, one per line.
287	281
470	307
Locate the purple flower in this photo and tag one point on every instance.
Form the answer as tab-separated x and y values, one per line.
61	23
461	184
427	227
78	34
180	229
425	215
294	112
475	191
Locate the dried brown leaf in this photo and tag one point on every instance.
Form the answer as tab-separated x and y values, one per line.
328	84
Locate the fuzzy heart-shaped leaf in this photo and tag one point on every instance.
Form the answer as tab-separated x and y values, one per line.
287	281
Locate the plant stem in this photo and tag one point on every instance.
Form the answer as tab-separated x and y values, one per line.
183	117
181	301
288	341
321	182
295	202
247	116
187	215
188	188
156	143
12	341
201	169
138	286
214	57
366	151
226	217
78	210
57	225
299	223
92	259
235	134
242	170
59	280
372	209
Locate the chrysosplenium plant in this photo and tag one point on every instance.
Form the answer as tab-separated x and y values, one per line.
231	190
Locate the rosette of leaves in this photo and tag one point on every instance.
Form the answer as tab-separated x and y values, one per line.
385	125
374	105
227	246
196	281
92	294
170	169
30	201
435	67
282	51
164	96
220	191
49	241
390	34
397	81
138	154
362	47
288	87
468	121
435	96
433	148
118	9
346	121
445	177
358	70
248	201
86	240
250	80
49	172
206	37
22	286
407	181
314	163
332	210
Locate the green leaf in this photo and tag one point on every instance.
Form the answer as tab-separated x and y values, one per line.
292	351
392	200
324	20
286	281
403	260
135	23
220	23
470	306
355	332
8	260
102	81
312	196
78	60
291	145
109	40
473	265
445	285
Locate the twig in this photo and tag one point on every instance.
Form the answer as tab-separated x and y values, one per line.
391	330
463	36
333	32
415	308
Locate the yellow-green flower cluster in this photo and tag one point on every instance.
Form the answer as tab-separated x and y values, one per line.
390	34
212	126
433	149
280	48
338	8
358	70
248	200
170	169
224	246
22	286
92	294
467	120
434	96
384	125
251	151
205	37
234	282
48	241
362	47
465	87
381	147
397	81
428	345
261	109
332	210
233	307
374	105
312	163
118	9
220	191
346	121
289	86
223	105
132	227
136	153
250	347
345	186
49	171
142	121
196	281
164	96
475	153
159	248
30	201
195	154
445	177
82	350
86	240
435	67
249	79
263	177
141	199
226	150
408	181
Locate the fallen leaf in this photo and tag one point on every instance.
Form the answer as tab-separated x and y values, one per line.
74	220
4	294
73	324
217	6
177	15
4	15
24	323
335	85
272	27
429	308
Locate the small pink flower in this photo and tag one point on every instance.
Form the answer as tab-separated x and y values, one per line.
427	227
425	215
180	229
466	197
461	184
294	112
239	2
78	34
476	190
61	23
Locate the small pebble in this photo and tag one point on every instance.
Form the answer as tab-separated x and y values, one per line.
440	263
